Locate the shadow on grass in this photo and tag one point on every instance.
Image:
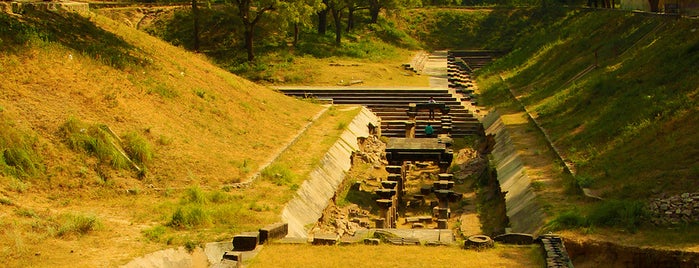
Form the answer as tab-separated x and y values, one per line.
71	30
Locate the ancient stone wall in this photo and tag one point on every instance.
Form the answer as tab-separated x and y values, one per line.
315	193
682	208
525	215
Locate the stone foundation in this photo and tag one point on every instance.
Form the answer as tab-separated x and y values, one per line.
677	209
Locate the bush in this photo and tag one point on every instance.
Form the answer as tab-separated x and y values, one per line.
17	156
194	195
77	224
137	148
101	142
155	233
627	214
189	217
567	220
278	174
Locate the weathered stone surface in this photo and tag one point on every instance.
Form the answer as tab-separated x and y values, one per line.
372	241
682	208
478	242
515	238
273	231
233	256
325	239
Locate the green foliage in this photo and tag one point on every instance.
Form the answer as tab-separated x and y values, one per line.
163	90
189	217
627	214
341	125
571	219
194	195
137	148
584	181
17	155
278	174
155	233
71	30
94	140
101	142
6	201
75	224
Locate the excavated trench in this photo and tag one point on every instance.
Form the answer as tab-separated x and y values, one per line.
607	254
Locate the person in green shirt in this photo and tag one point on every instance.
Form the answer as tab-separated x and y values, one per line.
429	130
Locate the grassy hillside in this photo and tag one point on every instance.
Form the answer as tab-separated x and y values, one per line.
629	126
84	101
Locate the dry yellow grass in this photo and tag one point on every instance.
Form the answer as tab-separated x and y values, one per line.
213	129
283	255
339	72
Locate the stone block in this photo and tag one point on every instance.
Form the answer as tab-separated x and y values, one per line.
417	225
394	169
372	241
478	242
273	232
325	239
426	190
515	238
233	255
246	241
442	224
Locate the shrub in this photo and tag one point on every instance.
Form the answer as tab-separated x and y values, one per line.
627	214
189	217
567	220
155	233
17	156
278	174
194	195
137	148
77	224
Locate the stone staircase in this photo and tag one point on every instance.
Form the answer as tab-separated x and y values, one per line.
391	105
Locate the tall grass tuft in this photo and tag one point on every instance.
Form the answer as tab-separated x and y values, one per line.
138	149
188	217
75	224
627	214
99	141
17	156
278	174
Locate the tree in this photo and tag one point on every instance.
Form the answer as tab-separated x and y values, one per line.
250	12
336	7
298	13
353	6
195	15
323	18
291	11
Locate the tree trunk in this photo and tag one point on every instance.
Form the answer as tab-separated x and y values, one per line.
350	19
337	16
195	15
374	11
654	5
296	34
248	42
323	19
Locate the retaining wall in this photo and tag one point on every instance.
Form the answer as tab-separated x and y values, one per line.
525	215
314	194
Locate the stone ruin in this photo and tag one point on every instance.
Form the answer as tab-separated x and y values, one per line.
677	209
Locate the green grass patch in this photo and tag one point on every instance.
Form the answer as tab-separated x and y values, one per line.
99	141
17	155
77	224
279	174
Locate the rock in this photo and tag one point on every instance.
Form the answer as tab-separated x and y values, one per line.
515	238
